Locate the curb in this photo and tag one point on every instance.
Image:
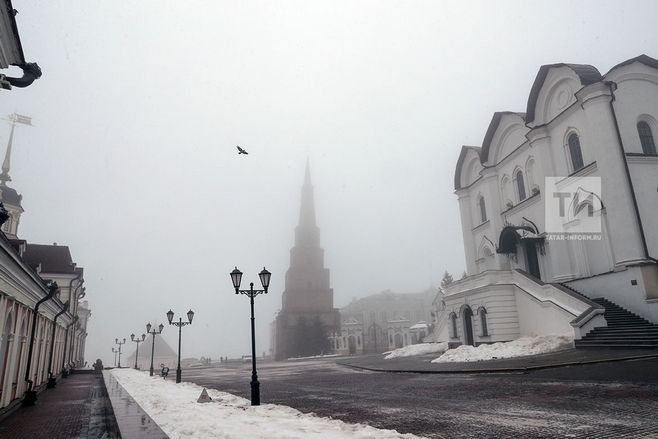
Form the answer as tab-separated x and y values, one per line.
504	369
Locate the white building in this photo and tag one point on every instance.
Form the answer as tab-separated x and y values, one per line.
384	321
578	123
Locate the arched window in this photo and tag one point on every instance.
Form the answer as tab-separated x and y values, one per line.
483	209
483	322
505	189
453	325
646	138
520	185
575	152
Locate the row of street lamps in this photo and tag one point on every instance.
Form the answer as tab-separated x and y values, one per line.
236	279
154	332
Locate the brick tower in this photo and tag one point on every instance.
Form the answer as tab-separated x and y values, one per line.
307	313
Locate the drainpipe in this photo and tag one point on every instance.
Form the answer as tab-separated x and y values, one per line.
31	395
65	373
52	382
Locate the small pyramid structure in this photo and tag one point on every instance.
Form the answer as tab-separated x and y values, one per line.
204	396
162	354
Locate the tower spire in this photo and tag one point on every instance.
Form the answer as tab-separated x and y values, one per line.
307	208
4	176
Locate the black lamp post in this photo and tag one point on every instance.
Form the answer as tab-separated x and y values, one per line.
153	333
114	351
116	341
180	323
236	278
138	341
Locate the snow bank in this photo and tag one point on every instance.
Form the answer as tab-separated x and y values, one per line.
516	348
174	408
417	349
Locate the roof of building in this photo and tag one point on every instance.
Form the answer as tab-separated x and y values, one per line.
493	126
644	59
586	73
460	163
14	47
387	297
52	258
9	196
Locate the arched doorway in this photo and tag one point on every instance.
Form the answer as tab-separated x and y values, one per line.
398	340
524	237
468	326
351	343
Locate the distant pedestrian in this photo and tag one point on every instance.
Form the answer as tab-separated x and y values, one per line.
164	372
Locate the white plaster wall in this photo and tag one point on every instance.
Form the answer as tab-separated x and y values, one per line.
564	106
617	288
502	315
537	318
644	173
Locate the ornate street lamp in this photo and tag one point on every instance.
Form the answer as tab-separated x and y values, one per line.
236	278
180	323
138	341
114	351
154	333
116	341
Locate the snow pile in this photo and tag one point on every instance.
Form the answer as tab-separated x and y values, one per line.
516	348
174	408
417	349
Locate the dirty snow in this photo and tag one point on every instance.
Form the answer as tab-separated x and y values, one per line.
417	349
517	348
174	408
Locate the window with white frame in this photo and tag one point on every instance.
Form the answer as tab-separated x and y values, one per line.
520	185
575	152
483	323
646	138
453	325
483	209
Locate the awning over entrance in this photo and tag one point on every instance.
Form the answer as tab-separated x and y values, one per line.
510	236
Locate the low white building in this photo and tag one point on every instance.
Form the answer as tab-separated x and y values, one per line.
524	276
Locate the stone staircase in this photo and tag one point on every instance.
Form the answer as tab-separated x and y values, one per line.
624	330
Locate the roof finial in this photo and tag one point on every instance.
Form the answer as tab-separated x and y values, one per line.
307	175
4	176
14	119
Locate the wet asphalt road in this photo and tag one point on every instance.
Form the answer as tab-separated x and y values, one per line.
613	400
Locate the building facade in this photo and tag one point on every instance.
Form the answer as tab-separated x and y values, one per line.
307	313
384	321
523	278
43	324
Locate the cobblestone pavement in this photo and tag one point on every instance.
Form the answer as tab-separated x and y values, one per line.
77	408
614	400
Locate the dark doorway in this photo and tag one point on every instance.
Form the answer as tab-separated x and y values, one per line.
398	340
532	262
468	326
351	342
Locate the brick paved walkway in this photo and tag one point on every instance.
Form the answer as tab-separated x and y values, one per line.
77	408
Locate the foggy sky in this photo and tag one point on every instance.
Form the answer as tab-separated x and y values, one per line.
132	160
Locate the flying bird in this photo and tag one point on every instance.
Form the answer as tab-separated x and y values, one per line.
242	151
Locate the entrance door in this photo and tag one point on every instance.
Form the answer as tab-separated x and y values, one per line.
532	262
398	340
468	326
351	342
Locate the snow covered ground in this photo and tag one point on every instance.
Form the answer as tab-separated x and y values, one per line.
516	348
174	408
417	349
